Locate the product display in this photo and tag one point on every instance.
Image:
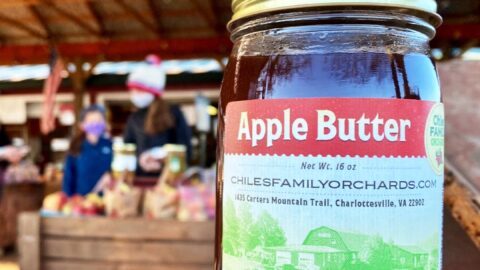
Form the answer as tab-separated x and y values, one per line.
54	202
197	195
331	142
179	194
197	202
122	201
59	203
124	162
163	200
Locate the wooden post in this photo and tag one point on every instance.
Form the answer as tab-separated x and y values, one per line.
78	84
29	241
79	76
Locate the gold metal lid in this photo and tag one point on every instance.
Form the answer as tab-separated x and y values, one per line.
246	8
175	148
130	147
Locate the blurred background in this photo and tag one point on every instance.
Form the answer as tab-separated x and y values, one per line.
90	46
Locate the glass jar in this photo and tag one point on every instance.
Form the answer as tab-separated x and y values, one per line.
130	155
118	163
124	162
330	137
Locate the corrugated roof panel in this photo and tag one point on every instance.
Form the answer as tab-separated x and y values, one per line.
194	33
67	18
67	29
190	22
172	5
78	7
108	8
16	11
139	6
10	27
22	40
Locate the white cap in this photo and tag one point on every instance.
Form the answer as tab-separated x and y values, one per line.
150	78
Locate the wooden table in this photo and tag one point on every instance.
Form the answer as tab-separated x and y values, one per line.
132	244
107	244
14	200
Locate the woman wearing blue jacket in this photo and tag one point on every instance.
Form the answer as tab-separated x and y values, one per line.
90	156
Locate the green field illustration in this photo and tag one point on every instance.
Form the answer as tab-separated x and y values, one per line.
259	243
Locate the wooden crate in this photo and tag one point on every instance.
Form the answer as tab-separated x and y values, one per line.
114	244
16	199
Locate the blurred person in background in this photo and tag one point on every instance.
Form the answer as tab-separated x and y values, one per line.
155	123
90	156
8	154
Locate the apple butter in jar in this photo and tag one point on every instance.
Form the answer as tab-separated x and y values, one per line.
331	137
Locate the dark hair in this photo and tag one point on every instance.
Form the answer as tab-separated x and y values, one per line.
92	108
159	117
80	136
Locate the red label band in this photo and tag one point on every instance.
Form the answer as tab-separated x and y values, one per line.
325	126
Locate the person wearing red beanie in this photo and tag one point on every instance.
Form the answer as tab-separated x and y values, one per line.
155	123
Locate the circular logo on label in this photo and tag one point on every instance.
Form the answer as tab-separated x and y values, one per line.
435	138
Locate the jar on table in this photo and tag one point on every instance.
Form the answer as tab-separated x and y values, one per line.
124	163
130	162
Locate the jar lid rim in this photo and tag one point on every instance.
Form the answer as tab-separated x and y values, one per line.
247	8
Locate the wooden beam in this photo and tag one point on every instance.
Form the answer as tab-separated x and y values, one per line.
135	34
78	21
206	14
156	11
121	251
78	78
55	264
97	17
20	25
464	19
459	31
41	20
54	18
20	3
127	229
118	50
121	35
138	16
29	241
3	40
217	11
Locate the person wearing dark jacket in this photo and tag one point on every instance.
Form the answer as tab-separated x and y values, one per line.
90	157
6	151
155	123
9	153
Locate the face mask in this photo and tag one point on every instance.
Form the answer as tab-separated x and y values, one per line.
142	100
95	129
